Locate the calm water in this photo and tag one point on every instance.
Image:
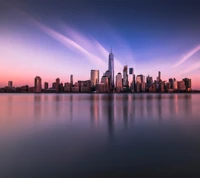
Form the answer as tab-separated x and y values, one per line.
99	135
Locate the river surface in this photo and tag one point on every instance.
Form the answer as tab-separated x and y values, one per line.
99	135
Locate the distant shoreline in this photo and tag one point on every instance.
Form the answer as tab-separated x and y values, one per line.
194	92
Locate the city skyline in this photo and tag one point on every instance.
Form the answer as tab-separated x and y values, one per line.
49	43
107	84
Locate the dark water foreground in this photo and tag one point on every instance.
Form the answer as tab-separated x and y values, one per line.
94	135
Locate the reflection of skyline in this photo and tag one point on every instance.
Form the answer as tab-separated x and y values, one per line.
37	106
94	109
109	111
125	110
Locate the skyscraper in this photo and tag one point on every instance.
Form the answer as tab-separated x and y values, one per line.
118	82
111	68
108	75
159	76
38	84
94	77
71	80
125	76
105	80
149	81
131	72
57	84
140	78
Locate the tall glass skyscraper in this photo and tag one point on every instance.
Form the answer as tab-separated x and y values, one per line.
111	68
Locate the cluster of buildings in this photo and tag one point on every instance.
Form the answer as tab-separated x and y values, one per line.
106	84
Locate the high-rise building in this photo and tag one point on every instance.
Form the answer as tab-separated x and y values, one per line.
111	68
149	81
175	84
105	80
108	75
140	78
188	83
94	76
131	72
159	76
171	81
38	84
57	84
125	76
10	84
71	80
119	82
46	85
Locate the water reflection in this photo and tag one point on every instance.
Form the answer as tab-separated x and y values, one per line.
125	110
37	106
120	133
94	109
108	110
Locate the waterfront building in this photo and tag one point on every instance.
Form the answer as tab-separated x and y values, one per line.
38	84
140	78
24	89
54	85
162	86
71	80
175	84
153	88
46	86
108	75
100	87
159	76
85	86
60	88
10	84
131	72
149	81
171	82
181	86
138	87
188	84
31	89
75	88
67	87
125	77
111	69
57	84
94	76
143	86
119	82
104	80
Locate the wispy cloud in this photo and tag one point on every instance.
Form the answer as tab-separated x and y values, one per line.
187	56
90	44
191	68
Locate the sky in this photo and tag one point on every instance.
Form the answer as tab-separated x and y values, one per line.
57	38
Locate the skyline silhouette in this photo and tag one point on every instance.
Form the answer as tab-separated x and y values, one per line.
59	38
